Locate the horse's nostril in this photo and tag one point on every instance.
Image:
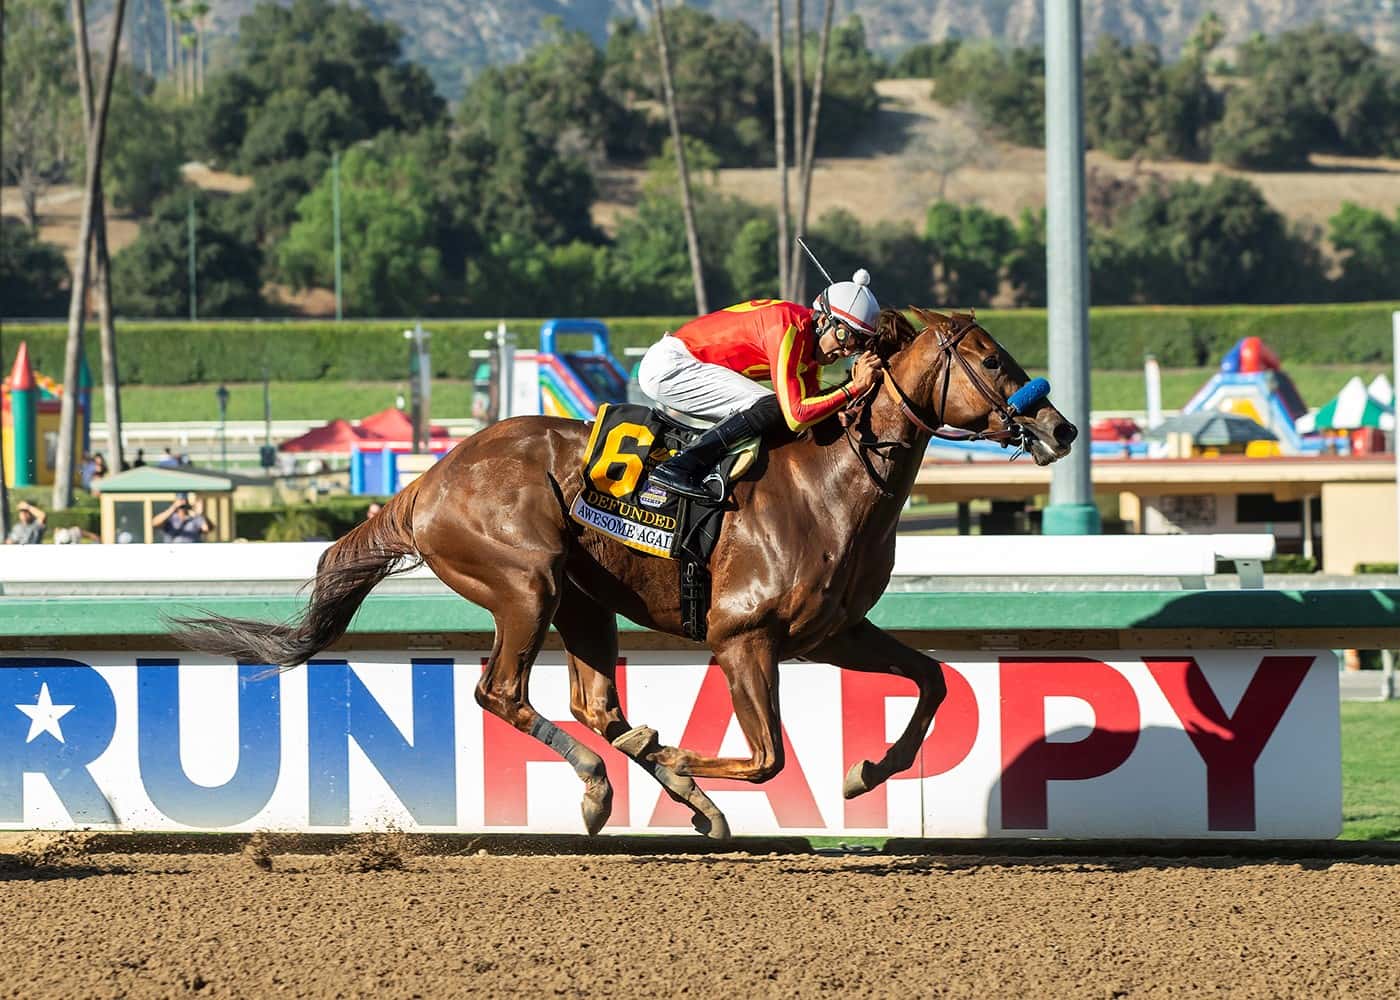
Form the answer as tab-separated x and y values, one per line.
1065	434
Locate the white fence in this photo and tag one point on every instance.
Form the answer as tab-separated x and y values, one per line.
1188	558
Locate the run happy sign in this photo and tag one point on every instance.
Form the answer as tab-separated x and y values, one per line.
1206	744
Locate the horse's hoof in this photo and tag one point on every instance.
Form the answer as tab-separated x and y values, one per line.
636	742
716	827
597	805
859	779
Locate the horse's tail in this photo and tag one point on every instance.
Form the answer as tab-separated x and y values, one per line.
347	571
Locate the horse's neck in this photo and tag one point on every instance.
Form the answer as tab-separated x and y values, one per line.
867	505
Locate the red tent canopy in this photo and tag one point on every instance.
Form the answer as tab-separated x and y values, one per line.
338	435
394	425
1115	429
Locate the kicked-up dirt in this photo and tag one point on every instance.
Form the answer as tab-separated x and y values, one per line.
377	921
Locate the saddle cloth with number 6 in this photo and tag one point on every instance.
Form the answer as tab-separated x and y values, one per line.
617	498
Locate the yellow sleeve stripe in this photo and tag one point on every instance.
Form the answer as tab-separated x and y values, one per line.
783	379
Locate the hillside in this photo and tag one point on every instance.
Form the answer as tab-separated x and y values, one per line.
913	138
453	38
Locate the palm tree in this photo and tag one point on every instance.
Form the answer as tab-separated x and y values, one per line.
807	155
102	270
692	240
780	146
77	310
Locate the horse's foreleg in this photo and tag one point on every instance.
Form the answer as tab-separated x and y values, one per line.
870	650
750	663
589	632
522	600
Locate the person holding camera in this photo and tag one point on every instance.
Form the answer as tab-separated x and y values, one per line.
28	528
183	521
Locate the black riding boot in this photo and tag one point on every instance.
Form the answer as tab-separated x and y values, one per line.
685	473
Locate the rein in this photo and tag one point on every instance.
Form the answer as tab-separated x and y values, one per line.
948	351
1008	409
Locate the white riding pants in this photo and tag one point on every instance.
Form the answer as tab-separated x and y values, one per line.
676	379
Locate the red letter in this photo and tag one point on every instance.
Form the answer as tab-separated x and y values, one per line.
863	699
788	792
1029	761
506	751
1230	746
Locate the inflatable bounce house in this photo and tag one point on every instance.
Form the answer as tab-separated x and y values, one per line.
562	383
1252	384
30	405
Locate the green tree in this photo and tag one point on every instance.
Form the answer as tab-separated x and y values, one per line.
518	278
1220	242
1369	246
557	93
150	278
968	244
1025	261
311	77
723	80
1006	89
34	275
1312	90
752	260
1122	94
389	266
41	137
143	157
923	60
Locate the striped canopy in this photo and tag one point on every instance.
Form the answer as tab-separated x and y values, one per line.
1353	408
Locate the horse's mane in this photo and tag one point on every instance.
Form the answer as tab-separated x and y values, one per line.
894	330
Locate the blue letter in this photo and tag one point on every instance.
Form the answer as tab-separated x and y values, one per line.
158	749
72	716
422	774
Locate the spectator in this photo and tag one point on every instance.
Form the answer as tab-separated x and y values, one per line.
140	458
86	471
168	460
183	521
373	509
29	528
99	466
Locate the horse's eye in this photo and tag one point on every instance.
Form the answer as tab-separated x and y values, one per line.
992	363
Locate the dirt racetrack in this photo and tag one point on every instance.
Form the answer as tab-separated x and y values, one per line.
82	924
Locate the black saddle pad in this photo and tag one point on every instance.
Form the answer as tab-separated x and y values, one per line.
617	499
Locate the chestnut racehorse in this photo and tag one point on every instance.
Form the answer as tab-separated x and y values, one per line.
802	557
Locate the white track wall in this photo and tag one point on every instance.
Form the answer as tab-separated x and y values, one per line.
1201	744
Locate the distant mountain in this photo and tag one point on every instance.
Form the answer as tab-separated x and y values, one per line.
454	38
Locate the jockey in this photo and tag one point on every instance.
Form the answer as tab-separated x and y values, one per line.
710	368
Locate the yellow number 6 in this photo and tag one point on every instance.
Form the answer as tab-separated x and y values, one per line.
612	455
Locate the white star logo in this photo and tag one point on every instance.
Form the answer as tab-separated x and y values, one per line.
44	715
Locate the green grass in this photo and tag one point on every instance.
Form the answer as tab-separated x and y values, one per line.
1371	770
1124	390
322	400
325	399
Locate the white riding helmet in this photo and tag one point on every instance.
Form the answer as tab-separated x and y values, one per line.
852	302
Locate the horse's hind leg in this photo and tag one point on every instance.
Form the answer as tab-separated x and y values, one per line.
589	631
750	664
522	609
870	650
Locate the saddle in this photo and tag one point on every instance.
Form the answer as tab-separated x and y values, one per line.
618	499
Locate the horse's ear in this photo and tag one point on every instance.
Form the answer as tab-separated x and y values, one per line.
930	318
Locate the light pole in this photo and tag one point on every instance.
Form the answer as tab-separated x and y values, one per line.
222	394
335	208
1071	510
193	269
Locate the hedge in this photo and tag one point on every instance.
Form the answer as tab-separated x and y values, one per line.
181	352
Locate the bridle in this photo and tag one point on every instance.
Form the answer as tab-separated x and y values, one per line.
1009	433
1008	409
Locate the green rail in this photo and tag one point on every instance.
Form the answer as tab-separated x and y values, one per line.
1363	618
